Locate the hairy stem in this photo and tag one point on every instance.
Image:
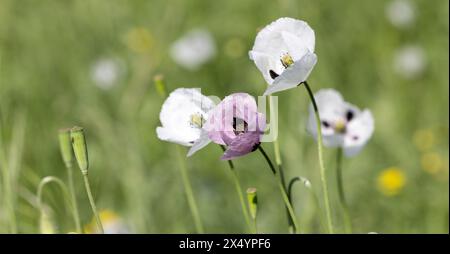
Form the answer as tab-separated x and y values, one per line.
92	203
66	194
340	185
239	192
74	199
282	188
323	177
278	161
189	193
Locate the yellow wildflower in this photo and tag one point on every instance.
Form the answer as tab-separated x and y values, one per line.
391	181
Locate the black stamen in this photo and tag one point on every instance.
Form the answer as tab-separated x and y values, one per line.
273	74
325	124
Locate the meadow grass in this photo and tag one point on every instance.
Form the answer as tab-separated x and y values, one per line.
47	49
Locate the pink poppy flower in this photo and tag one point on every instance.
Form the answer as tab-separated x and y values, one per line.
237	124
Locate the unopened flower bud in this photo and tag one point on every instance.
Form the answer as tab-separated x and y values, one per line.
306	182
160	85
252	201
65	146
80	148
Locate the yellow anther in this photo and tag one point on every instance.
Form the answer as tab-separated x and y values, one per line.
197	120
339	126
286	60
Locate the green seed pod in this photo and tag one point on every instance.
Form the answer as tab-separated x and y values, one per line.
252	201
160	85
80	148
65	146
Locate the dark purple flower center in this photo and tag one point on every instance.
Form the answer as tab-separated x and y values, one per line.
273	74
239	126
255	146
349	116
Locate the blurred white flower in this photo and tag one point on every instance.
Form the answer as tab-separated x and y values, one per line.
106	72
182	117
401	13
194	49
284	53
410	62
343	124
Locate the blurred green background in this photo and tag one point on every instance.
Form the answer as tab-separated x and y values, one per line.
48	49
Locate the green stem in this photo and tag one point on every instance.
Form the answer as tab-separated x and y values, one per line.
239	191
92	202
317	206
292	228
273	115
74	199
276	146
9	200
51	179
290	185
241	199
282	188
7	189
272	168
189	193
311	193
323	177
340	185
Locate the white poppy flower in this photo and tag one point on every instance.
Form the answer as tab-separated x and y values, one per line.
284	53
182	117
409	61
343	124
401	13
194	49
106	72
